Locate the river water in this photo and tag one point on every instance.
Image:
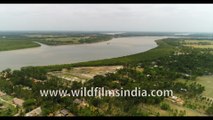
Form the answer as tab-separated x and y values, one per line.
49	55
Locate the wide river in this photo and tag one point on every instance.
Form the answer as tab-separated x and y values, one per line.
49	55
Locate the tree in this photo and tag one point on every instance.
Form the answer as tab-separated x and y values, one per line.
29	104
76	85
96	102
182	113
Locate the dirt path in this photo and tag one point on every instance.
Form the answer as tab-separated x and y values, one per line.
7	102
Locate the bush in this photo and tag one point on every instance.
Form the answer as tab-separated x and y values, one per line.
164	106
209	111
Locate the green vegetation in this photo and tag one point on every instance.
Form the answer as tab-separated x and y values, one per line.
6	106
206	81
158	68
164	106
16	44
21	42
204	44
73	40
209	111
7	109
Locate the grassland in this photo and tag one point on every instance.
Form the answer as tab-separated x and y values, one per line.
7	108
16	44
198	43
155	109
64	40
206	81
56	40
52	39
21	42
189	112
199	104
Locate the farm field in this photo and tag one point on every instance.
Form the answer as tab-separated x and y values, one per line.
29	41
199	43
206	81
65	40
16	44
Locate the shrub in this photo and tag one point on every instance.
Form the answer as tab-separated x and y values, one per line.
164	106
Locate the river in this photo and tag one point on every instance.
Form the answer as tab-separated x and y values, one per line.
64	54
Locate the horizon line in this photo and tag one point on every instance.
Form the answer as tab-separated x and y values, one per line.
96	31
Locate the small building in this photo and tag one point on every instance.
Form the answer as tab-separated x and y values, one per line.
77	101
179	101
183	89
35	112
18	102
63	112
148	75
155	66
26	88
37	81
81	103
116	81
176	100
174	97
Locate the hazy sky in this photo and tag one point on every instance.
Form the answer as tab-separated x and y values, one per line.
108	17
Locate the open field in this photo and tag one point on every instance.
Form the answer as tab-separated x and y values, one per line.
16	44
20	42
202	102
57	40
200	46
189	112
199	43
155	109
174	109
84	73
7	108
64	40
206	81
